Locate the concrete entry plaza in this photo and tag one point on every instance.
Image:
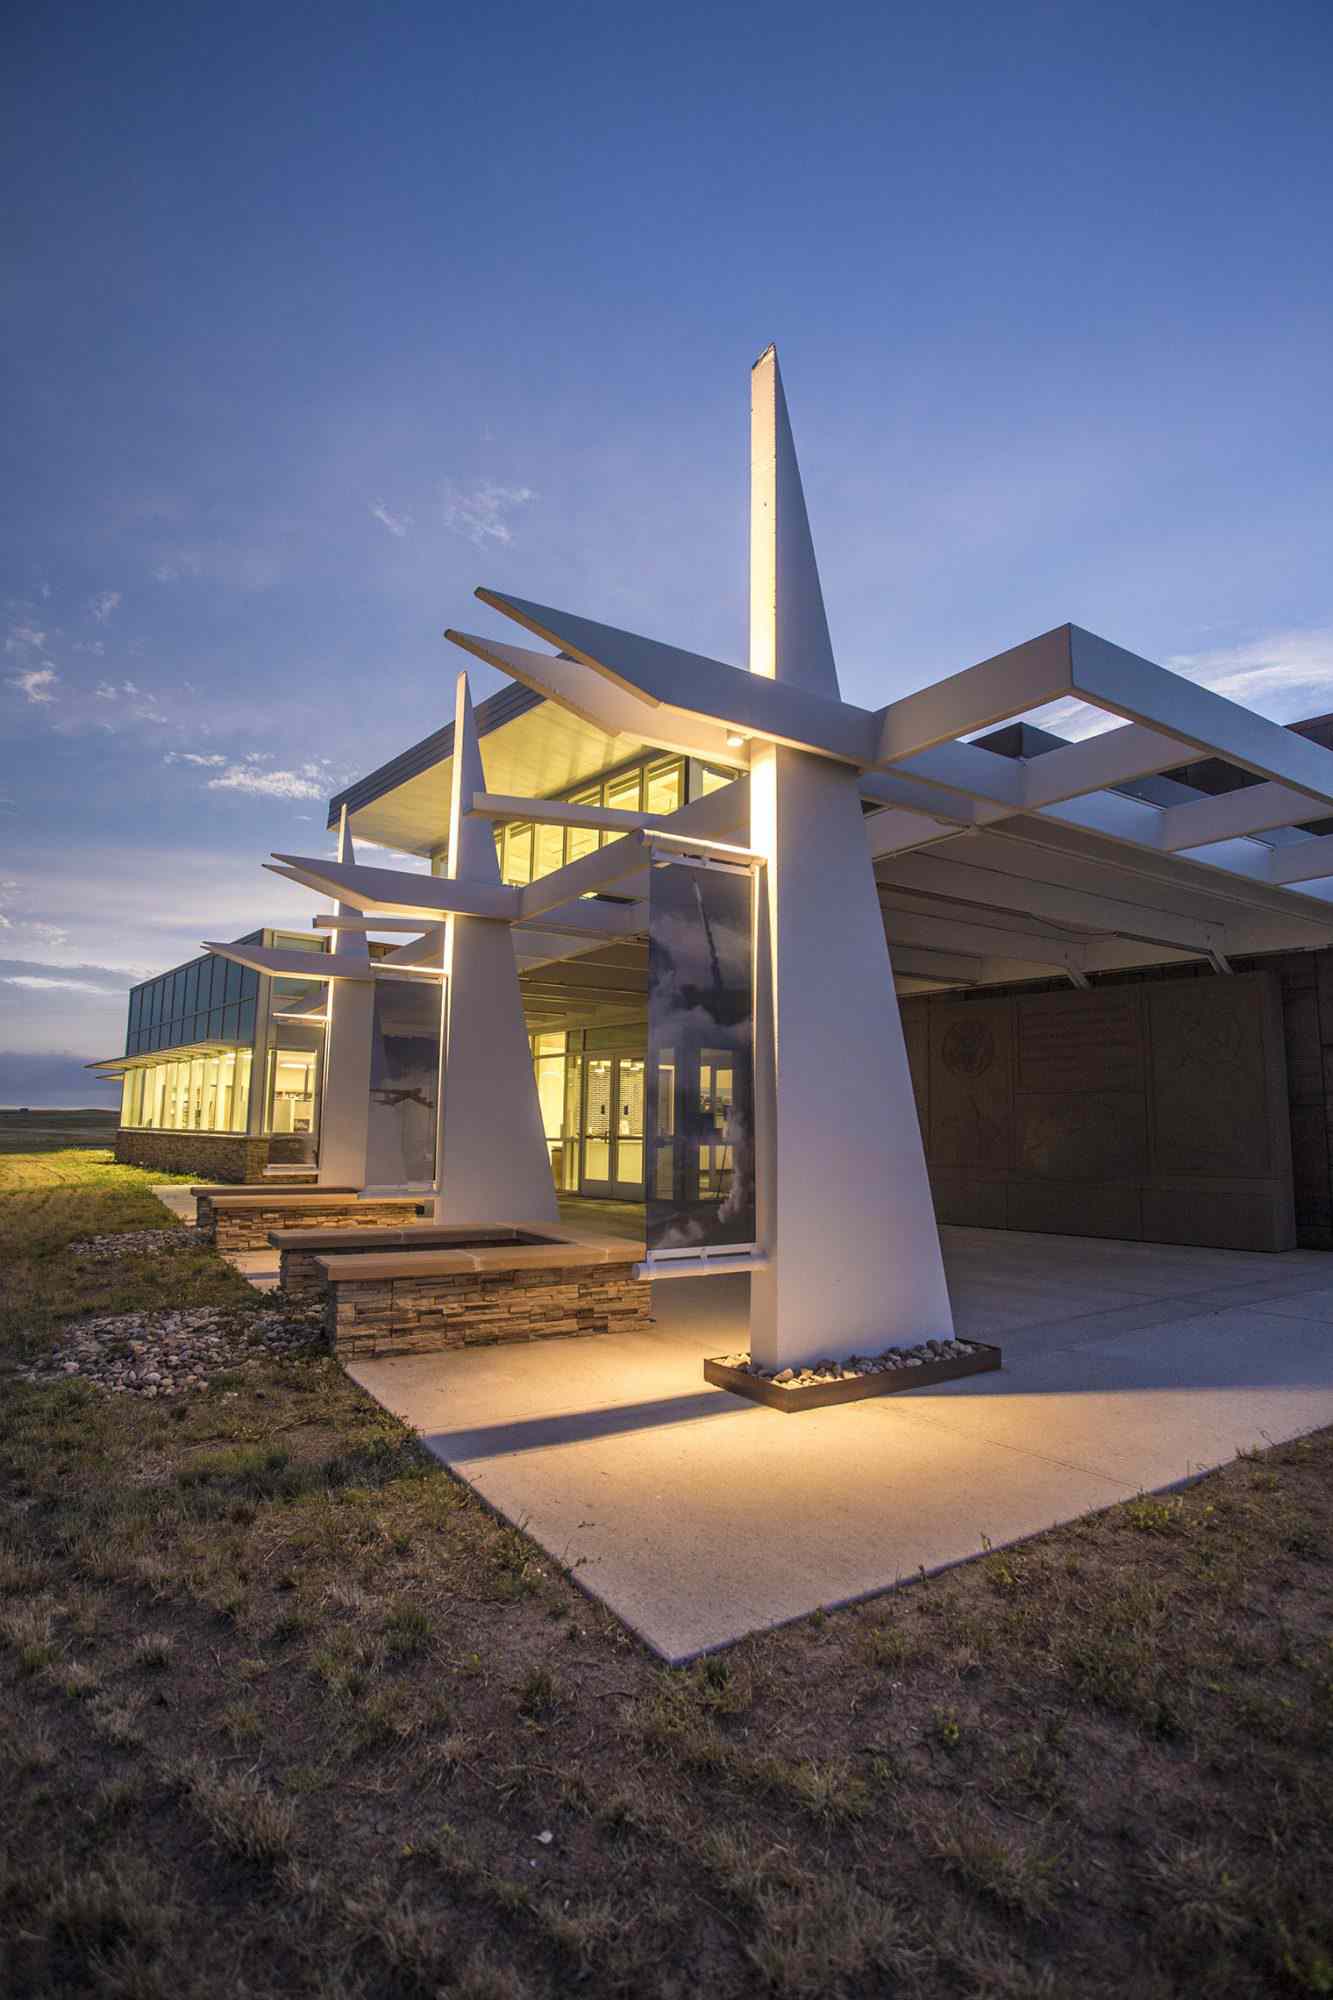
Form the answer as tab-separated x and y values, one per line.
698	1519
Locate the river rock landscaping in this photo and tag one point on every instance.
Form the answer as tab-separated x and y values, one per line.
175	1353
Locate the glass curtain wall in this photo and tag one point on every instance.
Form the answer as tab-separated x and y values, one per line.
527	851
208	1092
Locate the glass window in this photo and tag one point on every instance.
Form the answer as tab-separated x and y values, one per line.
625	794
583	839
664	787
712	779
246	1028
550	851
240	1098
191	999
291	1091
518	855
232	990
249	983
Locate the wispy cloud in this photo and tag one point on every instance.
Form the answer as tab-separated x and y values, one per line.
482	515
42	984
102	606
23	638
1286	676
37	684
397	524
39	975
311	781
213	760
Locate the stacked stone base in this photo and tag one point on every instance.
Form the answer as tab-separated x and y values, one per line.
236	1157
245	1223
431	1315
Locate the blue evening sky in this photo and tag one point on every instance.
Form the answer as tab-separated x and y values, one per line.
319	317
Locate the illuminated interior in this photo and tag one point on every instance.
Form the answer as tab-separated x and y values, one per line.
189	1093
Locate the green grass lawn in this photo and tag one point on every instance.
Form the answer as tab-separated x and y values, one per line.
283	1710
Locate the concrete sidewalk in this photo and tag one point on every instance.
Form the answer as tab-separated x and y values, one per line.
698	1519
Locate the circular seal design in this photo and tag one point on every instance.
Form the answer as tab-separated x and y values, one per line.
968	1048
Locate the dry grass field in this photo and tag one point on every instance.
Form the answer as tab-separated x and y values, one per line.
284	1711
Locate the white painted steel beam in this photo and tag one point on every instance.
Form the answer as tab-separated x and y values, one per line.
395	893
1078	907
602	869
950	968
970	931
1116	757
894	832
1305	861
749	703
561	812
280	963
1124	684
993	691
1252	809
579	688
967	768
584	918
364	926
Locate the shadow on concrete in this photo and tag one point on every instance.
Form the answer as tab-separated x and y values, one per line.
581	1426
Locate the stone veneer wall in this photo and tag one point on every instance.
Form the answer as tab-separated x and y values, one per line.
218	1156
245	1224
430	1315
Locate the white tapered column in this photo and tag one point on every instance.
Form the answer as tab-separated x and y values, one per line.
492	1164
345	1107
845	1211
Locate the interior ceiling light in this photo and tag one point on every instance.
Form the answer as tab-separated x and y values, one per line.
735	739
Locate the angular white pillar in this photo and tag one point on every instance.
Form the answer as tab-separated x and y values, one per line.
491	1162
345	1106
846	1216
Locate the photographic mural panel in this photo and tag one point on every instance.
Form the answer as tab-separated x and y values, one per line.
404	1082
700	1083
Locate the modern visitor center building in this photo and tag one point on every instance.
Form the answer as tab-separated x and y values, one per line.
797	978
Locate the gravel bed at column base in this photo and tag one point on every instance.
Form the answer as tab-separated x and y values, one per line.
824	1382
175	1353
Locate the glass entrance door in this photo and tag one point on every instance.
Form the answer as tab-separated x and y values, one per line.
613	1128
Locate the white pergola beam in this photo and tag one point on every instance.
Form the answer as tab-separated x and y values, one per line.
1124	684
1252	809
967	768
1305	861
993	691
1098	763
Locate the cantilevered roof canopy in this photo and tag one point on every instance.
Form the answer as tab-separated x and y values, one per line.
532	748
